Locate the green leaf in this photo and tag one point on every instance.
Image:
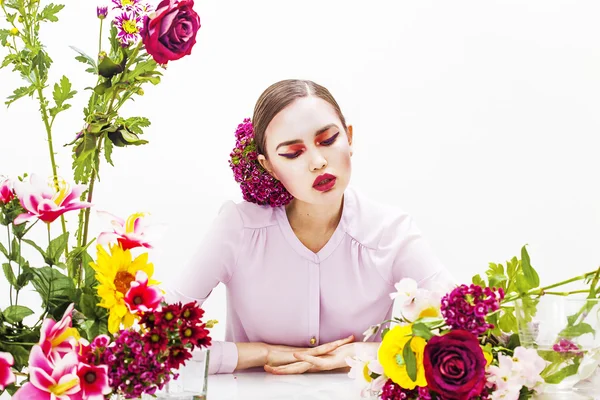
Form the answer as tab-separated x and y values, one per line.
15	314
4	251
410	360
19	353
478	280
577	330
4	35
20	92
530	273
496	276
9	59
384	332
56	247
108	68
54	288
84	58
508	322
422	330
102	87
49	12
513	341
34	245
61	94
108	149
88	306
560	375
9	274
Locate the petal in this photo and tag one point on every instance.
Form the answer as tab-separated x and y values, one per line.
7	358
37	359
40	379
22	218
28	392
106	237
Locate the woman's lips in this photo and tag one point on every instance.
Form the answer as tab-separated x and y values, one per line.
324	182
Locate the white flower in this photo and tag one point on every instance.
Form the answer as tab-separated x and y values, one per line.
529	365
406	290
370	332
362	369
508	384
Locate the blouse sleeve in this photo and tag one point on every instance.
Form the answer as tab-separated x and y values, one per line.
213	262
409	255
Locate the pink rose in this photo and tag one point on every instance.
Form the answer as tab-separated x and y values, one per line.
171	33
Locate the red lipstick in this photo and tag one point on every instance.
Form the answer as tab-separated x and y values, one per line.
324	182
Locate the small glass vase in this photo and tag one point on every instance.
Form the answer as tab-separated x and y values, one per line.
192	383
565	331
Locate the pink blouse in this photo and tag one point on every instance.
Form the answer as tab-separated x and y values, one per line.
280	292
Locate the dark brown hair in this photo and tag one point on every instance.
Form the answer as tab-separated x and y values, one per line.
277	97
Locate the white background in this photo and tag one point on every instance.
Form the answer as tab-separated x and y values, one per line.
480	118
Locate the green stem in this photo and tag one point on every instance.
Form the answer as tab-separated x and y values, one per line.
44	112
18	273
541	291
49	236
9	263
100	37
567	293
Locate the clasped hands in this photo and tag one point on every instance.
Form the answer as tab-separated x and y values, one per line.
285	360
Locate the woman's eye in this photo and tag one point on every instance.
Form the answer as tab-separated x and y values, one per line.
292	155
330	141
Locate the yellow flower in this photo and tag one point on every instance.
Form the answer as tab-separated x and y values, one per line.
115	272
391	359
489	357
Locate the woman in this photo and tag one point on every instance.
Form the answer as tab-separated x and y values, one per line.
306	278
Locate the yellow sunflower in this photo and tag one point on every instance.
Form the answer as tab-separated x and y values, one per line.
115	272
391	359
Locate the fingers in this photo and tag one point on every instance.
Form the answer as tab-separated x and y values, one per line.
329	347
294	368
317	362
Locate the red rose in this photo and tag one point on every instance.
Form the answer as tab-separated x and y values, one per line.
171	33
455	365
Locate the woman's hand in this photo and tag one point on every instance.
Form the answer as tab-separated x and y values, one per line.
279	356
328	357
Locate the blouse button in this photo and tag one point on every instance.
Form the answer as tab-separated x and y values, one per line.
313	341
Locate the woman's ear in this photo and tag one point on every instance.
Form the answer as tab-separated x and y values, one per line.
349	134
266	165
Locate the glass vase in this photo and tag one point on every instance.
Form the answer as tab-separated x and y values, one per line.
565	331
192	382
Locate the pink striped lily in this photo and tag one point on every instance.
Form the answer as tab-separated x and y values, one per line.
6	191
58	338
50	380
41	199
130	233
6	375
141	297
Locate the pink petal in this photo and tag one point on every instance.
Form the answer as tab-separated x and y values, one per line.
111	217
28	392
68	378
22	218
6	358
106	237
38	359
141	278
40	379
30	202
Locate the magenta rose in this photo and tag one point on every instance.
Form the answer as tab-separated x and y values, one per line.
455	365
171	33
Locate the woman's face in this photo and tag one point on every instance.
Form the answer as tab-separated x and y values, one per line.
309	151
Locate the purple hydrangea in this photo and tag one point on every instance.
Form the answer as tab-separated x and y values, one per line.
466	307
257	185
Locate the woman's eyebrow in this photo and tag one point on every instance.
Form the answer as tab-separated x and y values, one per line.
295	141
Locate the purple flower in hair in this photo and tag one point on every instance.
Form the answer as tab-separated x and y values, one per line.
257	185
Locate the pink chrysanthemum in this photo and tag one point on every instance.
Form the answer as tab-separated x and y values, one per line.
466	307
257	185
128	26
127	5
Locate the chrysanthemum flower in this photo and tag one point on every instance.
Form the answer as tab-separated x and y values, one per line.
128	26
115	272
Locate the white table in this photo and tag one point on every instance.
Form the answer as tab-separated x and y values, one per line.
264	386
321	386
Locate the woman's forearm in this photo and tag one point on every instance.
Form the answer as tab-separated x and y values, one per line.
251	355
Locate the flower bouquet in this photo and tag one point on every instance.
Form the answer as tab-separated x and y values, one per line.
95	312
503	337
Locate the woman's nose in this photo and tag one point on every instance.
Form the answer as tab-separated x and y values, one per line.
317	161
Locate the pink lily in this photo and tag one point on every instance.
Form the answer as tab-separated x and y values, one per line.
6	191
6	375
129	234
58	338
41	200
50	381
93	381
140	296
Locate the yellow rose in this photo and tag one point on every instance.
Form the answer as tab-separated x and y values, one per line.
391	359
